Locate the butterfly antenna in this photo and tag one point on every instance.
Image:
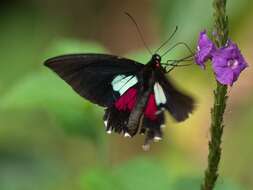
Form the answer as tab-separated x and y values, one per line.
139	31
177	44
175	63
185	59
170	37
172	62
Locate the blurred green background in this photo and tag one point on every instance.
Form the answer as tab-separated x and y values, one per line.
52	139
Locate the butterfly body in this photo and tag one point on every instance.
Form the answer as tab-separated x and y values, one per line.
134	95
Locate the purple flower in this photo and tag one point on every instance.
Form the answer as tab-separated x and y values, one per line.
204	49
228	63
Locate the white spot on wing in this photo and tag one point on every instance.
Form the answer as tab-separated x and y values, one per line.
106	122
109	131
127	135
122	83
160	97
157	138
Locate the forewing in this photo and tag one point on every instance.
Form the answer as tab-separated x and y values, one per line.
91	75
177	103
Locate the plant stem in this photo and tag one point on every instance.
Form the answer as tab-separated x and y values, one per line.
220	98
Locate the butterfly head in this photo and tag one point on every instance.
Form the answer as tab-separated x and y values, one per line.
156	60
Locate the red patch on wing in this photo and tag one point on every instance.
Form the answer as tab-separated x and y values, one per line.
127	100
151	108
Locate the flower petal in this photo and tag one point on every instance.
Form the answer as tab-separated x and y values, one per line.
204	49
228	63
226	77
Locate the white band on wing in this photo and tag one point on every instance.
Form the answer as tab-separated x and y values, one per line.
160	97
122	83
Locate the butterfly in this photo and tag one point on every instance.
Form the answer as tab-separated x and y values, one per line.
135	96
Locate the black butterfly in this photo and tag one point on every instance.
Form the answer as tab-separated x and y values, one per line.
134	95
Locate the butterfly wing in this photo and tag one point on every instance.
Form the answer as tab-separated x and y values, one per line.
91	75
163	96
177	103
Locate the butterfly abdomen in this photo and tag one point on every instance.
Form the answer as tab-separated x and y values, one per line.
137	112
